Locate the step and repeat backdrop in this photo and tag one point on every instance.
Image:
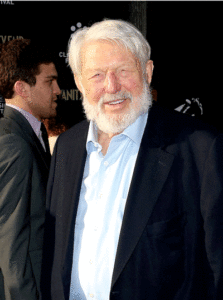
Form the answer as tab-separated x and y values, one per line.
185	37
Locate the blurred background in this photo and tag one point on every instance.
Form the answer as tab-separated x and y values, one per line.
185	37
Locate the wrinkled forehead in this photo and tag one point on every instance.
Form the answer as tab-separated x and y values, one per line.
105	53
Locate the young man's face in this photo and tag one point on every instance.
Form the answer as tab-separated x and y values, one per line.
43	95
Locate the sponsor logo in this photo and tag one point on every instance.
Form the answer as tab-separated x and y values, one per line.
73	28
72	94
6	38
7	2
192	107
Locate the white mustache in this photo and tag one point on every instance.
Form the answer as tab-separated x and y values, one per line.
114	97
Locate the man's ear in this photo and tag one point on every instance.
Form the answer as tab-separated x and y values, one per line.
21	88
149	70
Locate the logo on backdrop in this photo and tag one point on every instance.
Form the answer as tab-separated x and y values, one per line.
6	38
192	107
73	28
72	94
7	2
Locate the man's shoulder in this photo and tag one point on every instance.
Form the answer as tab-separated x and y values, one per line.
15	148
12	122
9	126
177	122
166	127
16	134
76	132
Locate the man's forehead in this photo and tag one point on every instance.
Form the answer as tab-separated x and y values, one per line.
48	70
98	53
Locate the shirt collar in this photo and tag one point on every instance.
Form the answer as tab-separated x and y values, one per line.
134	131
30	118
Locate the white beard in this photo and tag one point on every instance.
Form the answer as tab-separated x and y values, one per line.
118	123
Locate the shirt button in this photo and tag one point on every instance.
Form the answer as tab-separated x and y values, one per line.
106	163
91	295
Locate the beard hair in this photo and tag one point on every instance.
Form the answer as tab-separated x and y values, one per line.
114	124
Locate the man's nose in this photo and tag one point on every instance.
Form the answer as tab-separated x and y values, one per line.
111	83
57	90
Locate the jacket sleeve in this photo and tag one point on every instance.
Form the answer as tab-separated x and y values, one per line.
212	212
15	193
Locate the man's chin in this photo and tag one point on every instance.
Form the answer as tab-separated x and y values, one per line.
115	123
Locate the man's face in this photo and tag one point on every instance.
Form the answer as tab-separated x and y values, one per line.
43	94
111	79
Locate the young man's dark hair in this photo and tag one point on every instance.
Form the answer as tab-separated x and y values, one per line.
20	60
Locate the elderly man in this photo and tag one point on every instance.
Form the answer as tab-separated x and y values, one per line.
135	202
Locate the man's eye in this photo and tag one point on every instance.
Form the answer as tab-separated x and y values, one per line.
96	76
124	72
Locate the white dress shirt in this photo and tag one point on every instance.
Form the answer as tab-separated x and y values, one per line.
100	212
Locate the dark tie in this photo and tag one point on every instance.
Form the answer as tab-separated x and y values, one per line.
45	140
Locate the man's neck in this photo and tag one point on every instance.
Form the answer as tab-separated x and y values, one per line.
18	102
104	140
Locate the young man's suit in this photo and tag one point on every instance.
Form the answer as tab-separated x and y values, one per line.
24	170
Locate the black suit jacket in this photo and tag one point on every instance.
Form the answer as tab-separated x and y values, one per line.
23	177
171	240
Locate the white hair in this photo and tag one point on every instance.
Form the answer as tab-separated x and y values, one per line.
117	31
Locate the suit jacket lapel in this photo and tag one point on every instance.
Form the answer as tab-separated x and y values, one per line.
145	188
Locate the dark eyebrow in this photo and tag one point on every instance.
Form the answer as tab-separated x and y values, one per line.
52	77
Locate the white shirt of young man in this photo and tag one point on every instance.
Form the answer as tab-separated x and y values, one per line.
100	212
